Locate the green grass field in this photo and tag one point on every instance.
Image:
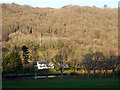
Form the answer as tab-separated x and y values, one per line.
62	83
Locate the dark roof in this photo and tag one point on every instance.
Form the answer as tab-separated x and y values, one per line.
43	62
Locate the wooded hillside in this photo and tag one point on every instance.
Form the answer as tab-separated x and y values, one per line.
75	30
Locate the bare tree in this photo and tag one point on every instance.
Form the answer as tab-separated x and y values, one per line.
100	63
46	58
61	63
87	62
97	56
73	57
105	6
113	61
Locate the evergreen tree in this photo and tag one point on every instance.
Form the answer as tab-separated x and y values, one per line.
12	61
25	54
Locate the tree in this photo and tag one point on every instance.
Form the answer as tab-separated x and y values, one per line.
58	62
100	66
97	56
63	58
93	61
12	61
46	57
25	55
105	6
73	56
35	55
113	61
61	67
101	62
87	62
106	65
94	6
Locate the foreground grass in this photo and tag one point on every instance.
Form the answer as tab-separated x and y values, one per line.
65	83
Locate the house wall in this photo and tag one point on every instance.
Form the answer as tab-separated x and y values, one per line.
44	66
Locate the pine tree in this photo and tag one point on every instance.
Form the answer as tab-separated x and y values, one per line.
25	55
12	61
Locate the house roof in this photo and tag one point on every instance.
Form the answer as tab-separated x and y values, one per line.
43	62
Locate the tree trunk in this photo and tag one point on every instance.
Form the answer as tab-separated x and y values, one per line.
74	72
35	75
61	73
88	73
100	74
47	72
94	72
74	69
105	71
113	72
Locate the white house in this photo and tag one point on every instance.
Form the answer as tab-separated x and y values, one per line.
65	66
44	65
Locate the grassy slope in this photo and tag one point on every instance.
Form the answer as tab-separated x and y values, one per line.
65	83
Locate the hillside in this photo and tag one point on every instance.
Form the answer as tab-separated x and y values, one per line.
83	27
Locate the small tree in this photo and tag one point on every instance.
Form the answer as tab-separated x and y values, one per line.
94	6
35	54
59	63
100	66
87	62
106	65
12	61
100	63
97	56
47	59
105	6
61	67
73	56
25	55
113	62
